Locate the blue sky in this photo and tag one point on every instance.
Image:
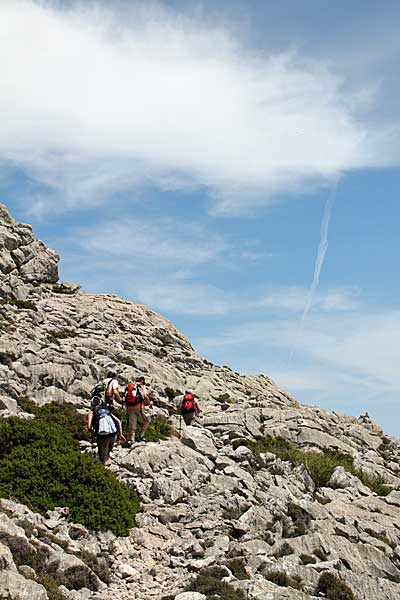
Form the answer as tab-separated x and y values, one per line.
182	154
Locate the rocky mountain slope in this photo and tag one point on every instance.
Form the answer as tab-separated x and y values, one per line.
207	498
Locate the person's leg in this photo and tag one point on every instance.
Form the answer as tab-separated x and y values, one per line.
108	447
133	417
111	444
188	418
102	446
145	423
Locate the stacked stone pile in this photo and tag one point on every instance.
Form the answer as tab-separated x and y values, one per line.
206	501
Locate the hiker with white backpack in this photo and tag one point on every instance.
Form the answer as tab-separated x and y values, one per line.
111	389
136	398
106	390
106	427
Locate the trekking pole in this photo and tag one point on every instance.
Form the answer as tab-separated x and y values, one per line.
180	425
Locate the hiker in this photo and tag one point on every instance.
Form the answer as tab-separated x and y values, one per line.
189	407
136	398
106	427
111	386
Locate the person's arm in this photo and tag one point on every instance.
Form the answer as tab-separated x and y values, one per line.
89	419
147	400
119	425
197	406
116	393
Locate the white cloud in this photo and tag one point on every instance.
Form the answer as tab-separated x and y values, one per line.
184	298
295	299
174	242
97	101
154	261
364	345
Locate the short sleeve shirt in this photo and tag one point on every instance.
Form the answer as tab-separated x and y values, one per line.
111	385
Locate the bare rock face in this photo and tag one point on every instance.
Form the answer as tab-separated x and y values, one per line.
206	500
24	261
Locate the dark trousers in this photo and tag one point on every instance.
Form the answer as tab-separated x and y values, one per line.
105	444
188	417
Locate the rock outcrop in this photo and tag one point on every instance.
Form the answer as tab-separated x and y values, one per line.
206	500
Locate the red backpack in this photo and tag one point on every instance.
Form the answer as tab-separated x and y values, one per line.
188	405
133	394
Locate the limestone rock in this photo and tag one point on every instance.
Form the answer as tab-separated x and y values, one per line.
14	586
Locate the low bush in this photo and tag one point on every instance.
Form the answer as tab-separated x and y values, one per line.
306	559
278	577
41	466
333	588
24	554
98	564
55	335
232	512
51	584
159	429
284	550
78	577
24	304
238	569
321	554
171	393
209	582
282	579
299	522
320	465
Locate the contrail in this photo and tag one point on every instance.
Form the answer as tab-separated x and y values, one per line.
319	262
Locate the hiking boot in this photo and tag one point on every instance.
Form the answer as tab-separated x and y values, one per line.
108	462
142	438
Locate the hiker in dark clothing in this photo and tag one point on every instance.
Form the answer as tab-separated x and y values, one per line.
189	407
106	428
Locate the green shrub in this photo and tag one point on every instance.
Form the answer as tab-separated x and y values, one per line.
232	513
98	564
78	577
55	335
333	588
208	582
321	554
376	483
278	577
171	393
159	429
51	583
284	550
238	569
306	559
24	554
65	415
320	465
24	304
41	466
27	404
300	521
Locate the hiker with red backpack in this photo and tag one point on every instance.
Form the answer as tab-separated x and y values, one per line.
189	407
105	427
136	398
